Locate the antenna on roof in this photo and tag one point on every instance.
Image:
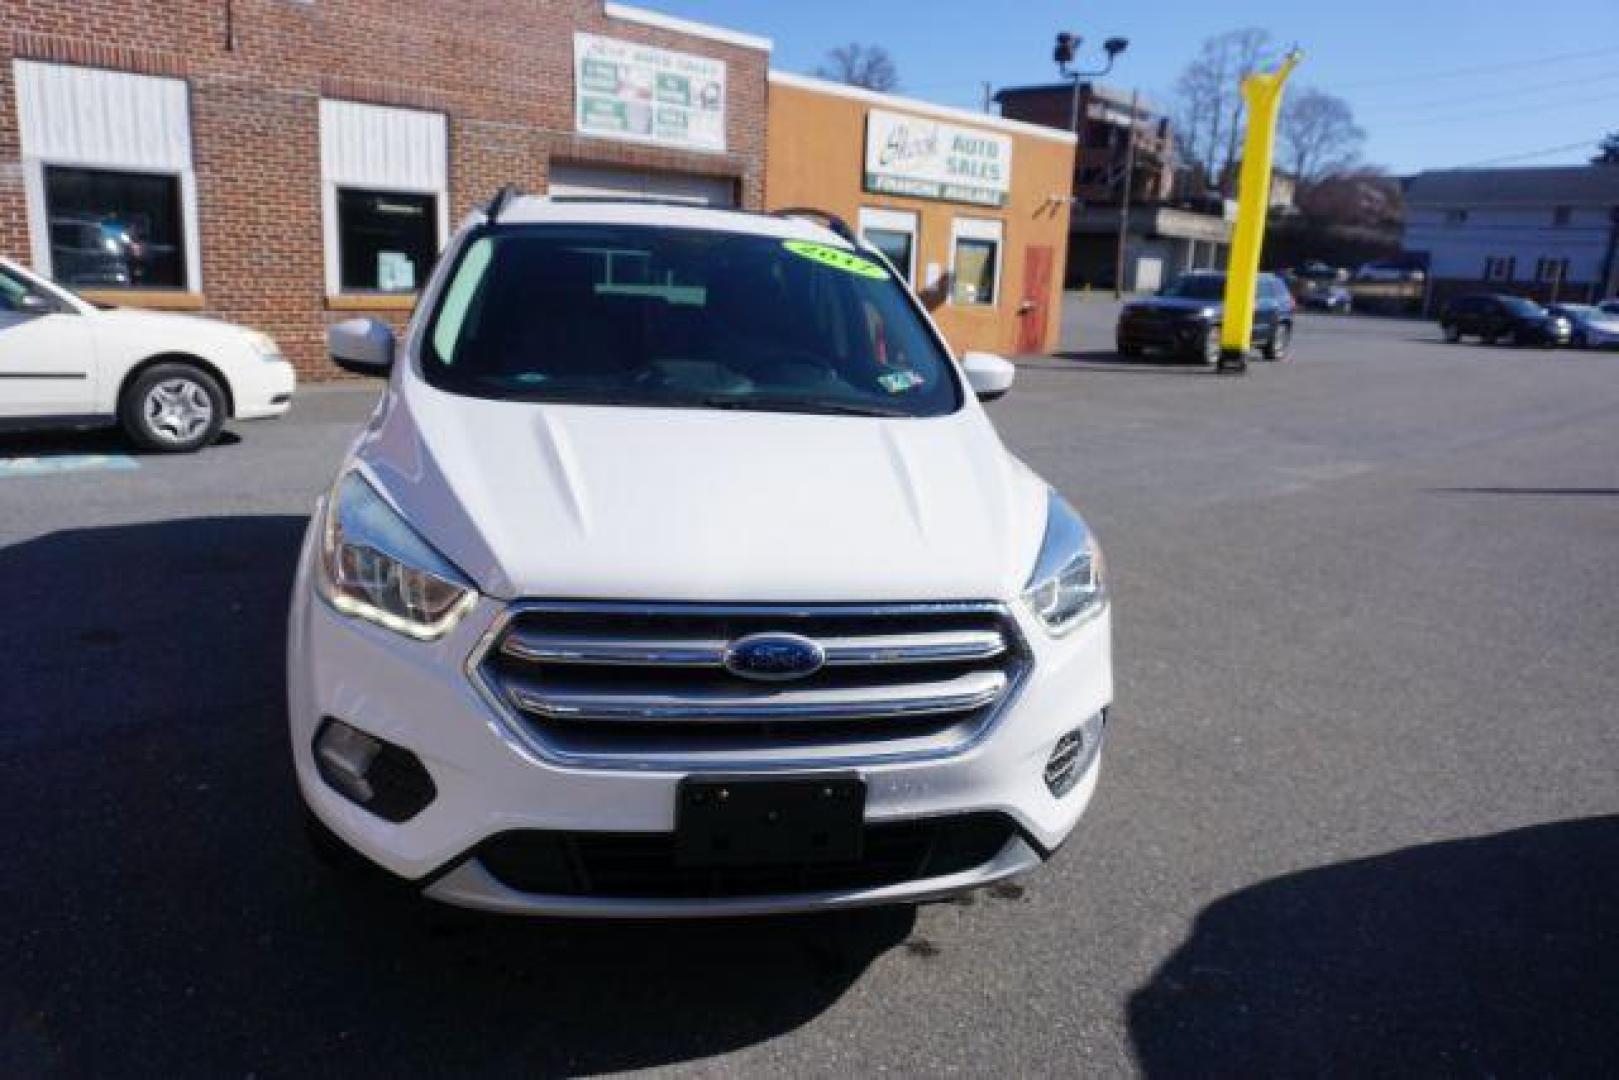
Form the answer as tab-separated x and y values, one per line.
502	199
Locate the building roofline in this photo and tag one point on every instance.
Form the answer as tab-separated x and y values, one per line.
1101	91
894	101
629	13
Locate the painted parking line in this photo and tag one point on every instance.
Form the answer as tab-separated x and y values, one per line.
65	463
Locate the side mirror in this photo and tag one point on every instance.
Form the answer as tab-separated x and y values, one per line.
362	346
989	375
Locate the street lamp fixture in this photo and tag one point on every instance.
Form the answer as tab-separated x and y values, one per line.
1067	51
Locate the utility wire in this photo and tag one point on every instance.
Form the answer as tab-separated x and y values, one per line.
1481	69
1583	144
1466	99
1491	114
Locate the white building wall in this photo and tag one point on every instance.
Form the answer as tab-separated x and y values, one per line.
1526	234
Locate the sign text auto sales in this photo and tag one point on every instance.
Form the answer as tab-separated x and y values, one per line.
930	159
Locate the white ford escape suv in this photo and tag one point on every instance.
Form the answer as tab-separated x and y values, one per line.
680	572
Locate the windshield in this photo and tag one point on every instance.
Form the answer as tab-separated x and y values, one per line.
1519	306
664	317
1197	287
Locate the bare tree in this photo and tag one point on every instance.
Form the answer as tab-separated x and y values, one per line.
1607	150
1208	100
1318	134
869	66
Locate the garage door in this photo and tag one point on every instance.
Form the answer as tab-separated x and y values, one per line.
569	179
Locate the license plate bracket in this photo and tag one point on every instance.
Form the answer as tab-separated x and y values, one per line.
769	821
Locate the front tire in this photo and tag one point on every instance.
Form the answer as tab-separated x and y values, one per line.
172	408
1280	339
1128	351
1453	333
1210	351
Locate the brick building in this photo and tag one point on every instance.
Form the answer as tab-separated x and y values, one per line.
286	163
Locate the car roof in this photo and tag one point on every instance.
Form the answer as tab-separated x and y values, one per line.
569	210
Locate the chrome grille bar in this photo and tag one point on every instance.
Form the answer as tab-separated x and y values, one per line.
617	684
921	648
972	691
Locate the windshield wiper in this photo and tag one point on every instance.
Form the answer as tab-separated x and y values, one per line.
826	406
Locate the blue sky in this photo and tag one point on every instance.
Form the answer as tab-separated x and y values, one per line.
1435	83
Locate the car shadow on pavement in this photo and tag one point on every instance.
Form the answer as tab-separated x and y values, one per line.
1110	360
1495	956
57	443
164	916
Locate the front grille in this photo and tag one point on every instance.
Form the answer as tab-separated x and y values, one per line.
644	866
627	686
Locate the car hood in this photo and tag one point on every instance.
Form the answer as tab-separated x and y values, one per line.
568	501
162	323
1173	303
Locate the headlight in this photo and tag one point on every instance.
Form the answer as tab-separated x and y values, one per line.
375	567
1067	586
263	345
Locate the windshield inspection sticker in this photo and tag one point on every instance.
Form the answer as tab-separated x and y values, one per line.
837	259
897	382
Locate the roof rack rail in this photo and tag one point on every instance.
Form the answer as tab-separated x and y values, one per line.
502	199
633	200
827	218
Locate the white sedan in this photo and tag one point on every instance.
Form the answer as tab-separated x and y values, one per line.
170	381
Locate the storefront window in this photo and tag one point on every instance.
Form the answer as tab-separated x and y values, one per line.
114	229
895	245
975	261
387	241
892	232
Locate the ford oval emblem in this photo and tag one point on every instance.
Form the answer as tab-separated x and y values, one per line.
774	657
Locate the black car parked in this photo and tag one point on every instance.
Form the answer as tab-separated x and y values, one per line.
1493	318
1185	318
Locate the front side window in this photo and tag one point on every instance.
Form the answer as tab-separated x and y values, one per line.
114	229
660	317
386	241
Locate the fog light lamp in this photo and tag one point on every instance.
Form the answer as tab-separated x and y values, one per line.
1073	754
387	780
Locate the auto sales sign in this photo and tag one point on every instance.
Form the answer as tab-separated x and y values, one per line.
931	159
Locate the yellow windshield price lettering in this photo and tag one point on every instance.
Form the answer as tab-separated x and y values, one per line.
846	261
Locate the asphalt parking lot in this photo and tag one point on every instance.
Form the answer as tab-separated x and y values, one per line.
1359	811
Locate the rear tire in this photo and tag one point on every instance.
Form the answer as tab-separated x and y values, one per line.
172	408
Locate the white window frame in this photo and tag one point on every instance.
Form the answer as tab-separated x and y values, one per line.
46	146
900	221
989	229
380	172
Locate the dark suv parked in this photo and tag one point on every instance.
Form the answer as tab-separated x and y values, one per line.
1496	318
1185	318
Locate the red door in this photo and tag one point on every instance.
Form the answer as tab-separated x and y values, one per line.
1036	304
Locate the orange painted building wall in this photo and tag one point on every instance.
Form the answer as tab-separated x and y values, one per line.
815	156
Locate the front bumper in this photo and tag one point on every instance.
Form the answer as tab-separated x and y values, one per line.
419	696
265	390
1180	335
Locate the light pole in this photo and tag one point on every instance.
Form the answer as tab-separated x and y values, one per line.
1067	49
